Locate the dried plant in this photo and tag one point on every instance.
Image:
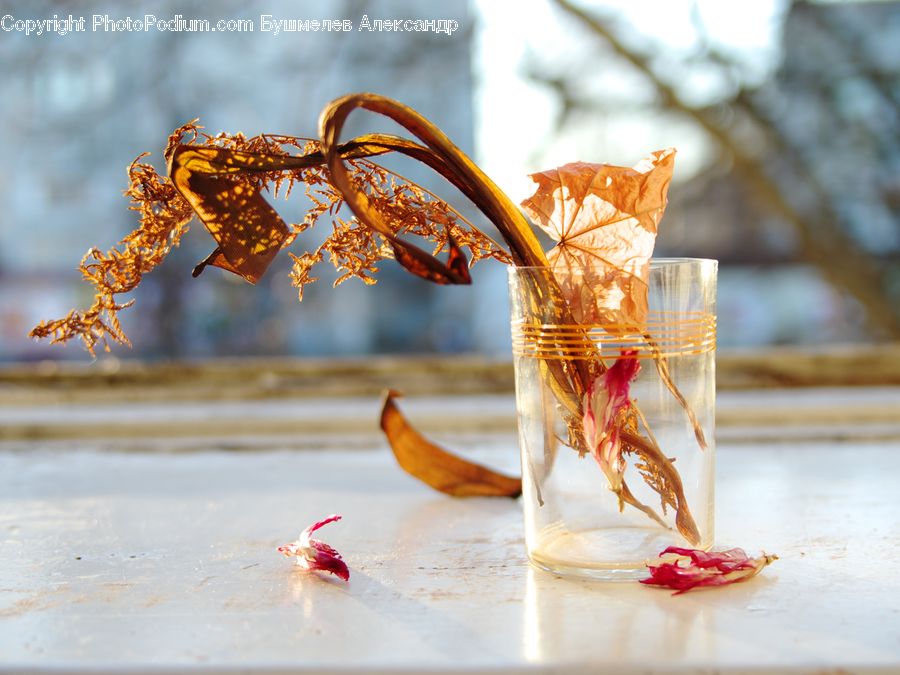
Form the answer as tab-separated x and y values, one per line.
222	179
249	232
164	216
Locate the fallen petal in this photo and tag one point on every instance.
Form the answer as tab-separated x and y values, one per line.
312	554
694	568
315	526
327	559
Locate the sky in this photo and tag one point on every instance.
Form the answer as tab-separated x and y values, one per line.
513	113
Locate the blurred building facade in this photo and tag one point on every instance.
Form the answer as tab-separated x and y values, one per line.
822	133
77	109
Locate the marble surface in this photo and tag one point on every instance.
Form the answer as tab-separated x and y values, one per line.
156	561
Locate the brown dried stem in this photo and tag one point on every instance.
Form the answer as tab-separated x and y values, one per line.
662	367
568	379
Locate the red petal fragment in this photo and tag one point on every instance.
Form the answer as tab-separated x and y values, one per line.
606	399
703	569
328	560
618	378
313	554
732	559
333	518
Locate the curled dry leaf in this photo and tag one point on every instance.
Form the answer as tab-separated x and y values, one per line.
248	231
604	219
435	466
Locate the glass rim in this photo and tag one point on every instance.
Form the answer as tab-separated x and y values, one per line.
654	262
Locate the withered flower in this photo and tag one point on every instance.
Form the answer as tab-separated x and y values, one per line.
604	218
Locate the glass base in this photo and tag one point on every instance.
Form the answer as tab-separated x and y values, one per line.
595	573
608	554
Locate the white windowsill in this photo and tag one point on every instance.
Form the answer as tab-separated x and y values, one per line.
145	560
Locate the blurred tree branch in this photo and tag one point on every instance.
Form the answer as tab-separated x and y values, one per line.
822	235
854	47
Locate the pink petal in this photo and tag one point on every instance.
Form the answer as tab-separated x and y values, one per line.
705	569
315	526
328	560
288	549
606	398
313	554
618	378
589	425
726	561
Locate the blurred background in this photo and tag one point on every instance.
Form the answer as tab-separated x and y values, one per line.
786	116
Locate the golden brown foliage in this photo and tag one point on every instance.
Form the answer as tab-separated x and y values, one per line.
604	219
222	180
164	216
354	249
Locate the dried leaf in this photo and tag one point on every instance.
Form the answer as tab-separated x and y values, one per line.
604	218
426	266
248	231
439	153
660	473
435	466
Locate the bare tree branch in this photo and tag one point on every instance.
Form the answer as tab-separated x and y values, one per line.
823	241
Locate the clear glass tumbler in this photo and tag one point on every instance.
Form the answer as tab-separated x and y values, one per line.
616	422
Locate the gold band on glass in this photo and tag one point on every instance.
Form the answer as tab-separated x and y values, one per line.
664	334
